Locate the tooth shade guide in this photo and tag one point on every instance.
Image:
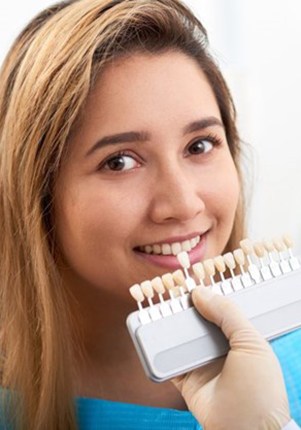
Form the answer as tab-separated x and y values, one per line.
267	266
226	266
138	296
220	266
278	300
169	283
181	288
209	268
183	259
247	247
260	253
226	287
215	288
236	283
219	263
199	272
274	266
253	270
225	284
136	293
287	240
178	277
293	261
245	277
279	245
284	264
158	286
148	291
176	292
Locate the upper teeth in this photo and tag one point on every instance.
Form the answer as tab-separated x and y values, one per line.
171	249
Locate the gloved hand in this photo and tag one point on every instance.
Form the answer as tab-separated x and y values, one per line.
242	391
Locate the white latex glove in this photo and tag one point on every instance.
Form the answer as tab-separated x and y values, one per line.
242	391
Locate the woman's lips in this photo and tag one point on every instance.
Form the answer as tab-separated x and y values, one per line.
171	262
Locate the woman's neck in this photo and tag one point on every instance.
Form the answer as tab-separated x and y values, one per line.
110	368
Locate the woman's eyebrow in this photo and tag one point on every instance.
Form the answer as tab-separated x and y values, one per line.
142	136
201	124
130	136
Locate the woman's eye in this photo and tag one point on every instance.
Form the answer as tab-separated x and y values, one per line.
120	162
200	146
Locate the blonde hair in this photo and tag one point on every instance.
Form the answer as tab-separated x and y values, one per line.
45	81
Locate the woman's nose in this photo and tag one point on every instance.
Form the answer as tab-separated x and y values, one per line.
176	196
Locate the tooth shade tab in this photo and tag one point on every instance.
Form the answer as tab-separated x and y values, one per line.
246	246
137	293
176	292
265	270
183	259
147	289
209	267
269	246
240	260
168	281
278	245
229	260
170	286
284	264
186	246
239	256
198	270
157	285
219	263
293	261
288	242
259	249
178	277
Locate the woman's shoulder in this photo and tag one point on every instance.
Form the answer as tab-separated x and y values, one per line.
5	399
106	414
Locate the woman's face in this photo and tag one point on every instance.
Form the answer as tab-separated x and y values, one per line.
148	174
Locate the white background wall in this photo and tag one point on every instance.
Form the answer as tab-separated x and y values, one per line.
258	46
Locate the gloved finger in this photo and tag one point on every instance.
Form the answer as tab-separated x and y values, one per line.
201	377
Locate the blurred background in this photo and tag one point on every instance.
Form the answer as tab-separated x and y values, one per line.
257	45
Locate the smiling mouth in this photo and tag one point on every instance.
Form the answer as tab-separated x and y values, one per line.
170	248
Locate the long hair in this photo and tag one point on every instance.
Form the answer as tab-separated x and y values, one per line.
44	82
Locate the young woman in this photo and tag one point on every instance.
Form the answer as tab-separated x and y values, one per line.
118	144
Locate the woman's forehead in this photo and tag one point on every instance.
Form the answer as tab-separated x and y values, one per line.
147	90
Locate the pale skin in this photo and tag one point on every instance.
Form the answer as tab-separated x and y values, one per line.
172	181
